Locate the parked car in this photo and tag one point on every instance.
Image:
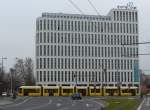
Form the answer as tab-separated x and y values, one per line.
76	96
4	93
148	95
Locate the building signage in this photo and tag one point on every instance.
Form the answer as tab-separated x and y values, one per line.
128	6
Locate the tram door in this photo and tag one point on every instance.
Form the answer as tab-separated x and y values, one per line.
133	92
110	92
41	91
51	92
82	91
26	91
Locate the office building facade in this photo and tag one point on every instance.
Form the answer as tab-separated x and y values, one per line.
89	51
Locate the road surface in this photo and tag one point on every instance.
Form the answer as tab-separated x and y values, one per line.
145	105
53	103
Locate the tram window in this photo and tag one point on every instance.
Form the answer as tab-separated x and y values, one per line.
109	90
33	90
92	90
67	90
46	90
55	90
37	90
97	90
125	91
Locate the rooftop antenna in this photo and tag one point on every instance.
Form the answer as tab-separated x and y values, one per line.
76	6
93	7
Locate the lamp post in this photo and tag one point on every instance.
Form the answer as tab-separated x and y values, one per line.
3	58
95	85
12	72
118	79
2	71
103	77
75	76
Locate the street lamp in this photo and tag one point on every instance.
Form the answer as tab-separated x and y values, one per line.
75	76
12	71
2	71
3	58
2	74
104	72
118	79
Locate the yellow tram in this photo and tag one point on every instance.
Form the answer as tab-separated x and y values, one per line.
70	90
30	91
50	91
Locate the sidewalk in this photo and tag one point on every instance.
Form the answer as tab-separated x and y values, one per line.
6	100
10	100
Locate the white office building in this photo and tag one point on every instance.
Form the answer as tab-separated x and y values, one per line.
81	50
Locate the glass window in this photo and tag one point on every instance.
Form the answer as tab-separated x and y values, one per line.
44	76
40	24
40	75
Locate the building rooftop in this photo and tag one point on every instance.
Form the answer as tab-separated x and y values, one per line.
75	16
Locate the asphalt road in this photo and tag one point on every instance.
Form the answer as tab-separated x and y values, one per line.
54	103
145	104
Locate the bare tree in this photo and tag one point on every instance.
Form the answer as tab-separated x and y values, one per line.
19	68
24	71
29	77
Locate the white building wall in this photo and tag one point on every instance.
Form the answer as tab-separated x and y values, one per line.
79	43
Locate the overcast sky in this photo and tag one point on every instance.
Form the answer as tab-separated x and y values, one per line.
17	23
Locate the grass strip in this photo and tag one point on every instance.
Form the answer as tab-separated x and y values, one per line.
121	104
